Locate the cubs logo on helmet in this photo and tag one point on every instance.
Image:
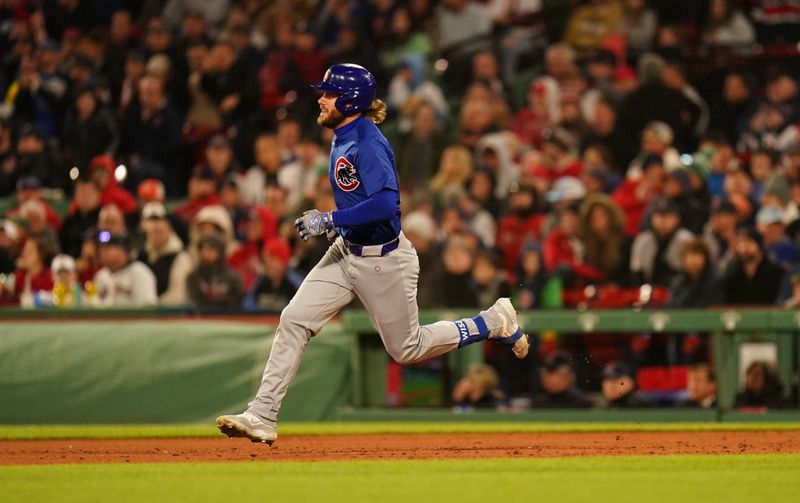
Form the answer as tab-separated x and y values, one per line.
346	176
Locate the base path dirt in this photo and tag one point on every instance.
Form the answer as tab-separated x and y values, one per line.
396	446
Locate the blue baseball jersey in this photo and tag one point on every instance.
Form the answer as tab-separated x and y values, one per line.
363	164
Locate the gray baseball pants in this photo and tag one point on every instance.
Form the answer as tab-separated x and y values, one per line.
386	286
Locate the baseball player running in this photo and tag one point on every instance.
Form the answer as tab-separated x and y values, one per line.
370	259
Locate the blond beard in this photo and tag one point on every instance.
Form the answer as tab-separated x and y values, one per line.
334	118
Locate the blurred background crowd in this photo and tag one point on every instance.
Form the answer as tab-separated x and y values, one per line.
599	153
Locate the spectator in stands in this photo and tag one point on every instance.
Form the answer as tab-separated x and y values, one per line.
675	76
729	110
8	157
693	203
779	247
773	121
701	386
209	220
638	25
86	201
558	389
657	139
761	166
532	277
36	157
122	282
605	246
699	283
299	177
151	137
277	284
87	263
562	251
29	189
33	216
420	147
727	26
488	279
619	387
90	130
480	388
33	275
762	387
161	244
634	195
454	274
522	222
603	130
212	284
9	246
455	168
462	25
264	172
202	193
654	101
128	98
260	226
220	158
751	277
656	252
541	112
558	159
589	24
103	172
67	290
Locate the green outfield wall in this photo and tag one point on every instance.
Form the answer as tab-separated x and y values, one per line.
174	366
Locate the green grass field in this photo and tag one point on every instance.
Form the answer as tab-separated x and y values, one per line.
653	479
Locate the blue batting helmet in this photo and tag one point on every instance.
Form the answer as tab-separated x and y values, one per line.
354	85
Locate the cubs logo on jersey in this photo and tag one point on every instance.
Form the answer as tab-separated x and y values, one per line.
345	175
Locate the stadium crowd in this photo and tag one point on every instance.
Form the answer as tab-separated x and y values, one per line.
600	152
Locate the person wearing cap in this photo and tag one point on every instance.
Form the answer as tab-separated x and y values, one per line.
67	291
752	277
719	233
557	385
161	244
90	129
778	246
260	226
86	199
656	252
122	282
277	284
657	138
212	284
562	251
202	194
230	197
699	282
29	189
541	112
618	387
635	194
9	245
693	204
219	157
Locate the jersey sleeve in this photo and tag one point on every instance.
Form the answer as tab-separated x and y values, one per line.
375	163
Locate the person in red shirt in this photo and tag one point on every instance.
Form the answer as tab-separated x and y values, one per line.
102	171
522	223
33	275
261	227
28	188
541	112
563	250
557	158
634	195
202	193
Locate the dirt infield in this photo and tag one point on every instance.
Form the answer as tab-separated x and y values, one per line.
396	446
